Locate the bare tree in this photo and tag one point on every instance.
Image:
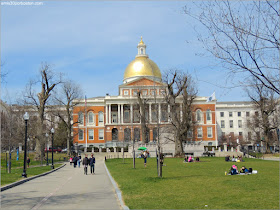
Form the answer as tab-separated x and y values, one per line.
65	98
179	96
266	119
48	81
243	36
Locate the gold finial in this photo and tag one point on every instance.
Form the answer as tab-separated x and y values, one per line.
141	42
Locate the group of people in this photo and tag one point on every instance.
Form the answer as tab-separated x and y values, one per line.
243	170
189	159
234	159
88	161
76	160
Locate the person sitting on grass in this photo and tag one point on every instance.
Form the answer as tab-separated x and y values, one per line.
186	159
197	159
233	170
190	159
244	170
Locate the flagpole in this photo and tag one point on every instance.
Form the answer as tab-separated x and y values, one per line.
216	133
86	120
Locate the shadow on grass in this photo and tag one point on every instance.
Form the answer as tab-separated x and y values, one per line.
154	179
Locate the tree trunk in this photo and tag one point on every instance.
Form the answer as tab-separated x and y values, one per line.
178	146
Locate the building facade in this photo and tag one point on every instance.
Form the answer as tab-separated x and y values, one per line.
112	121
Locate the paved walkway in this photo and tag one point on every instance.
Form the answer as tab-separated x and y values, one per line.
67	188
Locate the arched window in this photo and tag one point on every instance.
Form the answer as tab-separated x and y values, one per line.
127	134
115	134
100	117
141	51
90	118
199	117
81	118
208	115
136	134
154	134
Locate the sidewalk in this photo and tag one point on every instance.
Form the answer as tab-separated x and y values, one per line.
67	188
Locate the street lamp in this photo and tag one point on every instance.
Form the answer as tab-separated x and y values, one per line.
52	131
26	118
47	135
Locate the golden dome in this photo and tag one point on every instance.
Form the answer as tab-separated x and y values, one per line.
142	66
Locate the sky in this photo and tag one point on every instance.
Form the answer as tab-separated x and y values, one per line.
92	42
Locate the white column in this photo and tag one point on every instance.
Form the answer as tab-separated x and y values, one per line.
119	113
150	113
131	113
159	112
107	114
110	121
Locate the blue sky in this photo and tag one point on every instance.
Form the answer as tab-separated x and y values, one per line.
92	42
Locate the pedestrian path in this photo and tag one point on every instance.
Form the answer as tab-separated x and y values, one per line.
67	188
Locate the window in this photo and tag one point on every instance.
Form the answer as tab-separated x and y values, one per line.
125	92
100	117
189	134
231	123
81	135
223	134
90	118
114	118
81	118
239	114
208	115
230	114
126	116
144	92
249	135
239	123
222	124
141	51
240	133
247	114
209	132
101	134
90	134
222	114
199	116
135	92
127	134
136	116
162	92
153	92
199	132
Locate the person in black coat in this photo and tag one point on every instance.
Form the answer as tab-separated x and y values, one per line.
91	163
85	164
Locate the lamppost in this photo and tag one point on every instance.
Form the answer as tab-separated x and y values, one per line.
26	118
52	131
47	135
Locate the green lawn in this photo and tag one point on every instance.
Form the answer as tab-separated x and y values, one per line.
195	185
19	163
16	173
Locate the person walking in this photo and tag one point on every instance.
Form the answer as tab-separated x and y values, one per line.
28	161
75	160
91	163
79	160
145	155
85	164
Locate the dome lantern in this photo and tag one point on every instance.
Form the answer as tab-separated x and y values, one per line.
141	49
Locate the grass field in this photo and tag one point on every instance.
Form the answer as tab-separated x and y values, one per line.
198	185
19	163
16	173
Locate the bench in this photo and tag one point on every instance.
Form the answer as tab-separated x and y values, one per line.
208	154
168	153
